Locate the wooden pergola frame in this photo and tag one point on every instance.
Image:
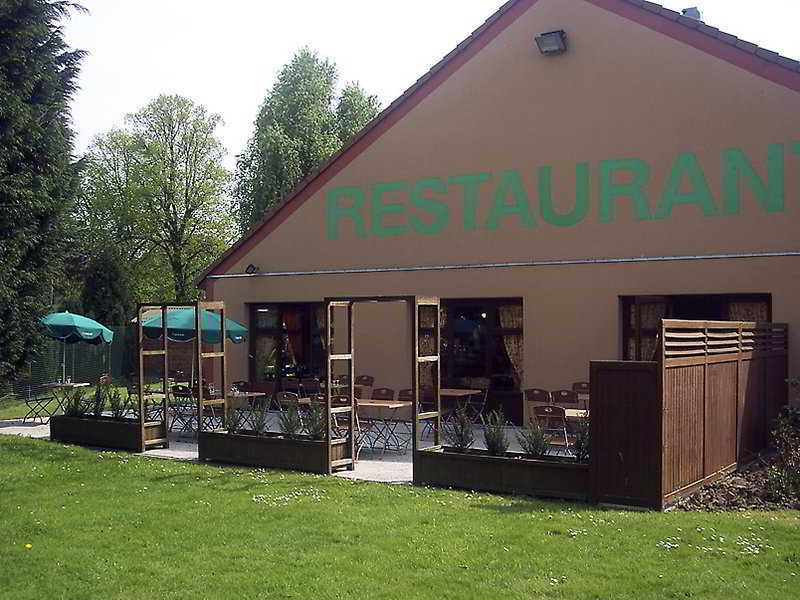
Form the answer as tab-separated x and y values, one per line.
415	303
198	357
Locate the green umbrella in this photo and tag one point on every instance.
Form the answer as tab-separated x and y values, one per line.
182	327
71	329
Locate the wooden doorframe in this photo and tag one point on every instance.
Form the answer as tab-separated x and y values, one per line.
415	303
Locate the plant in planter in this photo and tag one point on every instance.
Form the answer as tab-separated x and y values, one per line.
99	402
290	422
581	445
260	419
458	433
232	421
117	403
494	433
316	421
533	440
73	402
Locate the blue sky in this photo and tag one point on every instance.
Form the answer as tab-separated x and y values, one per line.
225	55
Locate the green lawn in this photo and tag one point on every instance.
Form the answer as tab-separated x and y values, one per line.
84	524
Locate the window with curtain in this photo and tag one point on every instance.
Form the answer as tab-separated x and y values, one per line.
286	341
482	343
641	316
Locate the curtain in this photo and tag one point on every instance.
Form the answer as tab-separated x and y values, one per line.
511	318
293	321
748	311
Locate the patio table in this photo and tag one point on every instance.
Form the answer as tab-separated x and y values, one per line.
386	423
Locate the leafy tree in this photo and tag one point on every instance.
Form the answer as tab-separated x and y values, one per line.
38	178
355	109
155	192
106	290
301	123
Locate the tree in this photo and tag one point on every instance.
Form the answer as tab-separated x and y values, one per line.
106	290
38	177
155	192
301	124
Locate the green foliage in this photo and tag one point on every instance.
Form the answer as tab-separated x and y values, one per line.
580	447
316	424
232	421
300	124
533	440
289	420
117	403
458	432
260	418
106	290
99	401
155	193
784	475
38	178
73	401
354	110
494	433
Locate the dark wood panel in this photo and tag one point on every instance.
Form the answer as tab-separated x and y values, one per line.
683	426
720	416
625	433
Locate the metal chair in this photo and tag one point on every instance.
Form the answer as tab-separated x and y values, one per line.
310	386
383	394
38	408
582	389
183	408
552	421
406	395
284	399
565	397
539	396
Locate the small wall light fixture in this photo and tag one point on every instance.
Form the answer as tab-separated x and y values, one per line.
251	269
552	42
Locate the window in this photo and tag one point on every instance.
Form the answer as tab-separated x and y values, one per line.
286	341
482	343
641	316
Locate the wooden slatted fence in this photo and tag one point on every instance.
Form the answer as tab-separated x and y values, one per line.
661	429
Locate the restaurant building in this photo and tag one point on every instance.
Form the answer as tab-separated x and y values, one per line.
560	193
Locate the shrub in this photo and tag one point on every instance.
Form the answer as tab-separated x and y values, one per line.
73	402
533	440
232	421
316	425
100	394
289	420
494	433
581	445
458	433
783	478
117	403
260	419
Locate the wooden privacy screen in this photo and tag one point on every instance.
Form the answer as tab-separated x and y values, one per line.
661	429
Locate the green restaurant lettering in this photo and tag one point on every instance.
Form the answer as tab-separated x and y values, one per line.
512	201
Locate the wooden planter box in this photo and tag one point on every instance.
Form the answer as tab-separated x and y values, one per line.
510	474
270	451
107	432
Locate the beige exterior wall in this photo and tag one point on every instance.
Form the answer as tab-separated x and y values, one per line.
621	91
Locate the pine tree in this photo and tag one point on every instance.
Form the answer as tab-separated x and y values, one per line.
38	177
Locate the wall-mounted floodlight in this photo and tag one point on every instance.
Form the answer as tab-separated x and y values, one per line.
251	269
552	42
